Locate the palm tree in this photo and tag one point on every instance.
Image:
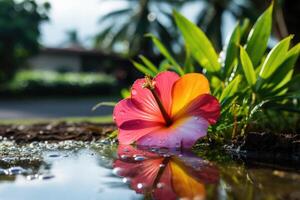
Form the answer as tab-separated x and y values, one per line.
127	26
212	16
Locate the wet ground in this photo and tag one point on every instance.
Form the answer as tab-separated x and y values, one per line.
103	170
56	131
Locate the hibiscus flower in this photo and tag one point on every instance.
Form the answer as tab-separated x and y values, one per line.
167	111
180	175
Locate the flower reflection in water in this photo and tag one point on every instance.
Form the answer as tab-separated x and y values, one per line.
164	174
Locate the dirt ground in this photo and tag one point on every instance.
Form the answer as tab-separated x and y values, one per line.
52	132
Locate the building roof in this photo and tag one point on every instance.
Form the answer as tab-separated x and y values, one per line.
78	51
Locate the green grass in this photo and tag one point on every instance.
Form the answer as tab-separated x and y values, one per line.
102	119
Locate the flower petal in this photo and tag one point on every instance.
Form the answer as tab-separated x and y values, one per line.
133	122
144	99
163	85
184	185
183	133
205	105
142	174
140	114
186	89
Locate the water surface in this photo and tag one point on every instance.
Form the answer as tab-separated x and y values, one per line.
107	171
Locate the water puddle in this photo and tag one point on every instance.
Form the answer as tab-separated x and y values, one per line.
103	170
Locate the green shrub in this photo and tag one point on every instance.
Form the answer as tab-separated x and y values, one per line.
53	83
245	77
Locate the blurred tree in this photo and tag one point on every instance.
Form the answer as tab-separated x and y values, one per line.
19	33
211	16
72	40
127	26
291	12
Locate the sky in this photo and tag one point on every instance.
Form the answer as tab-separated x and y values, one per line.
81	15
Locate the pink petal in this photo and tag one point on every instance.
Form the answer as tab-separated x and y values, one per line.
141	175
163	85
133	122
205	105
140	114
183	133
143	100
145	172
129	151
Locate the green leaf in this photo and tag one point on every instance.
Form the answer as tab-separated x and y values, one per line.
113	134
111	104
285	71
276	56
188	63
231	88
244	26
163	50
125	93
294	80
149	64
164	65
232	50
259	35
274	59
247	67
143	69
201	48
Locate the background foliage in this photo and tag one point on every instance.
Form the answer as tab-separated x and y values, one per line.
17	41
250	82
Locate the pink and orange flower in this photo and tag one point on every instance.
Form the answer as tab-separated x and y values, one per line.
167	111
179	175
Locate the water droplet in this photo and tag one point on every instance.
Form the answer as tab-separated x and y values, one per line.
139	185
133	92
162	165
125	180
138	158
124	156
46	177
116	171
163	150
32	177
54	155
160	185
153	149
15	171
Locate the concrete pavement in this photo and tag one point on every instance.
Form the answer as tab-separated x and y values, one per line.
52	107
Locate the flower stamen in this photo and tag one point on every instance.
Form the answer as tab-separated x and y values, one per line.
150	85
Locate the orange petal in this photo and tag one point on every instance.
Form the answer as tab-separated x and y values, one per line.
184	185
186	89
